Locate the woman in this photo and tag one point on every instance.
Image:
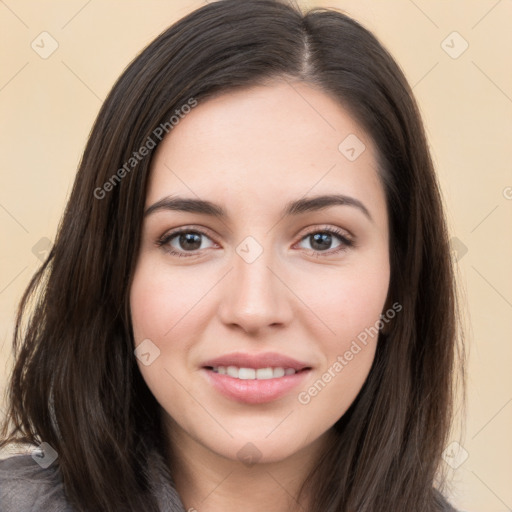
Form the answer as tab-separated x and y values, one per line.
299	355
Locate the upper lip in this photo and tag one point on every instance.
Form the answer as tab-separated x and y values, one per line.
263	360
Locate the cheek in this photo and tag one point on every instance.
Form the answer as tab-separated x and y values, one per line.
328	397
162	303
156	311
345	301
169	309
349	303
161	311
351	309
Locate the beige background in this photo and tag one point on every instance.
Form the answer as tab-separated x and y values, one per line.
47	107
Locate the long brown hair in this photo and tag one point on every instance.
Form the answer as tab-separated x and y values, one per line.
76	385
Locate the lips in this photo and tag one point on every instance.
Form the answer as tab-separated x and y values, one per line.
264	360
290	374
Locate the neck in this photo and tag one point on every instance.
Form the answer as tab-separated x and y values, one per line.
209	482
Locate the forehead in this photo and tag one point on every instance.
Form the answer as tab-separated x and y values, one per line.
266	144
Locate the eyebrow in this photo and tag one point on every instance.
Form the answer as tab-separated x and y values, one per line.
297	207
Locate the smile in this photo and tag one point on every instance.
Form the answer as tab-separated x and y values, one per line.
254	386
253	373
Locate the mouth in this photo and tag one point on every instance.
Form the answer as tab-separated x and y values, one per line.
255	378
254	385
266	373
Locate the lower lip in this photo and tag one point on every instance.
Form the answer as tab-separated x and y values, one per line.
254	391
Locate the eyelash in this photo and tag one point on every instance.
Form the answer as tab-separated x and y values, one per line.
346	242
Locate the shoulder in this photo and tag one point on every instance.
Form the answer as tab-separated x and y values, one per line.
25	486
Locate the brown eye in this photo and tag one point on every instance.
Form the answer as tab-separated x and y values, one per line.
322	240
183	241
189	241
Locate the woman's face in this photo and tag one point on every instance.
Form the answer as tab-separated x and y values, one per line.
280	282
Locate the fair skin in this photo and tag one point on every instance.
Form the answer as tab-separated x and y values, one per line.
252	152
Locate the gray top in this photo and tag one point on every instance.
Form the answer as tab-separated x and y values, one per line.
27	487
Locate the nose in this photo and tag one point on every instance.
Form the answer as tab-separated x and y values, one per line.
255	296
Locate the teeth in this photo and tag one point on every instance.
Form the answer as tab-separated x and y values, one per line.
262	373
246	373
232	371
252	374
